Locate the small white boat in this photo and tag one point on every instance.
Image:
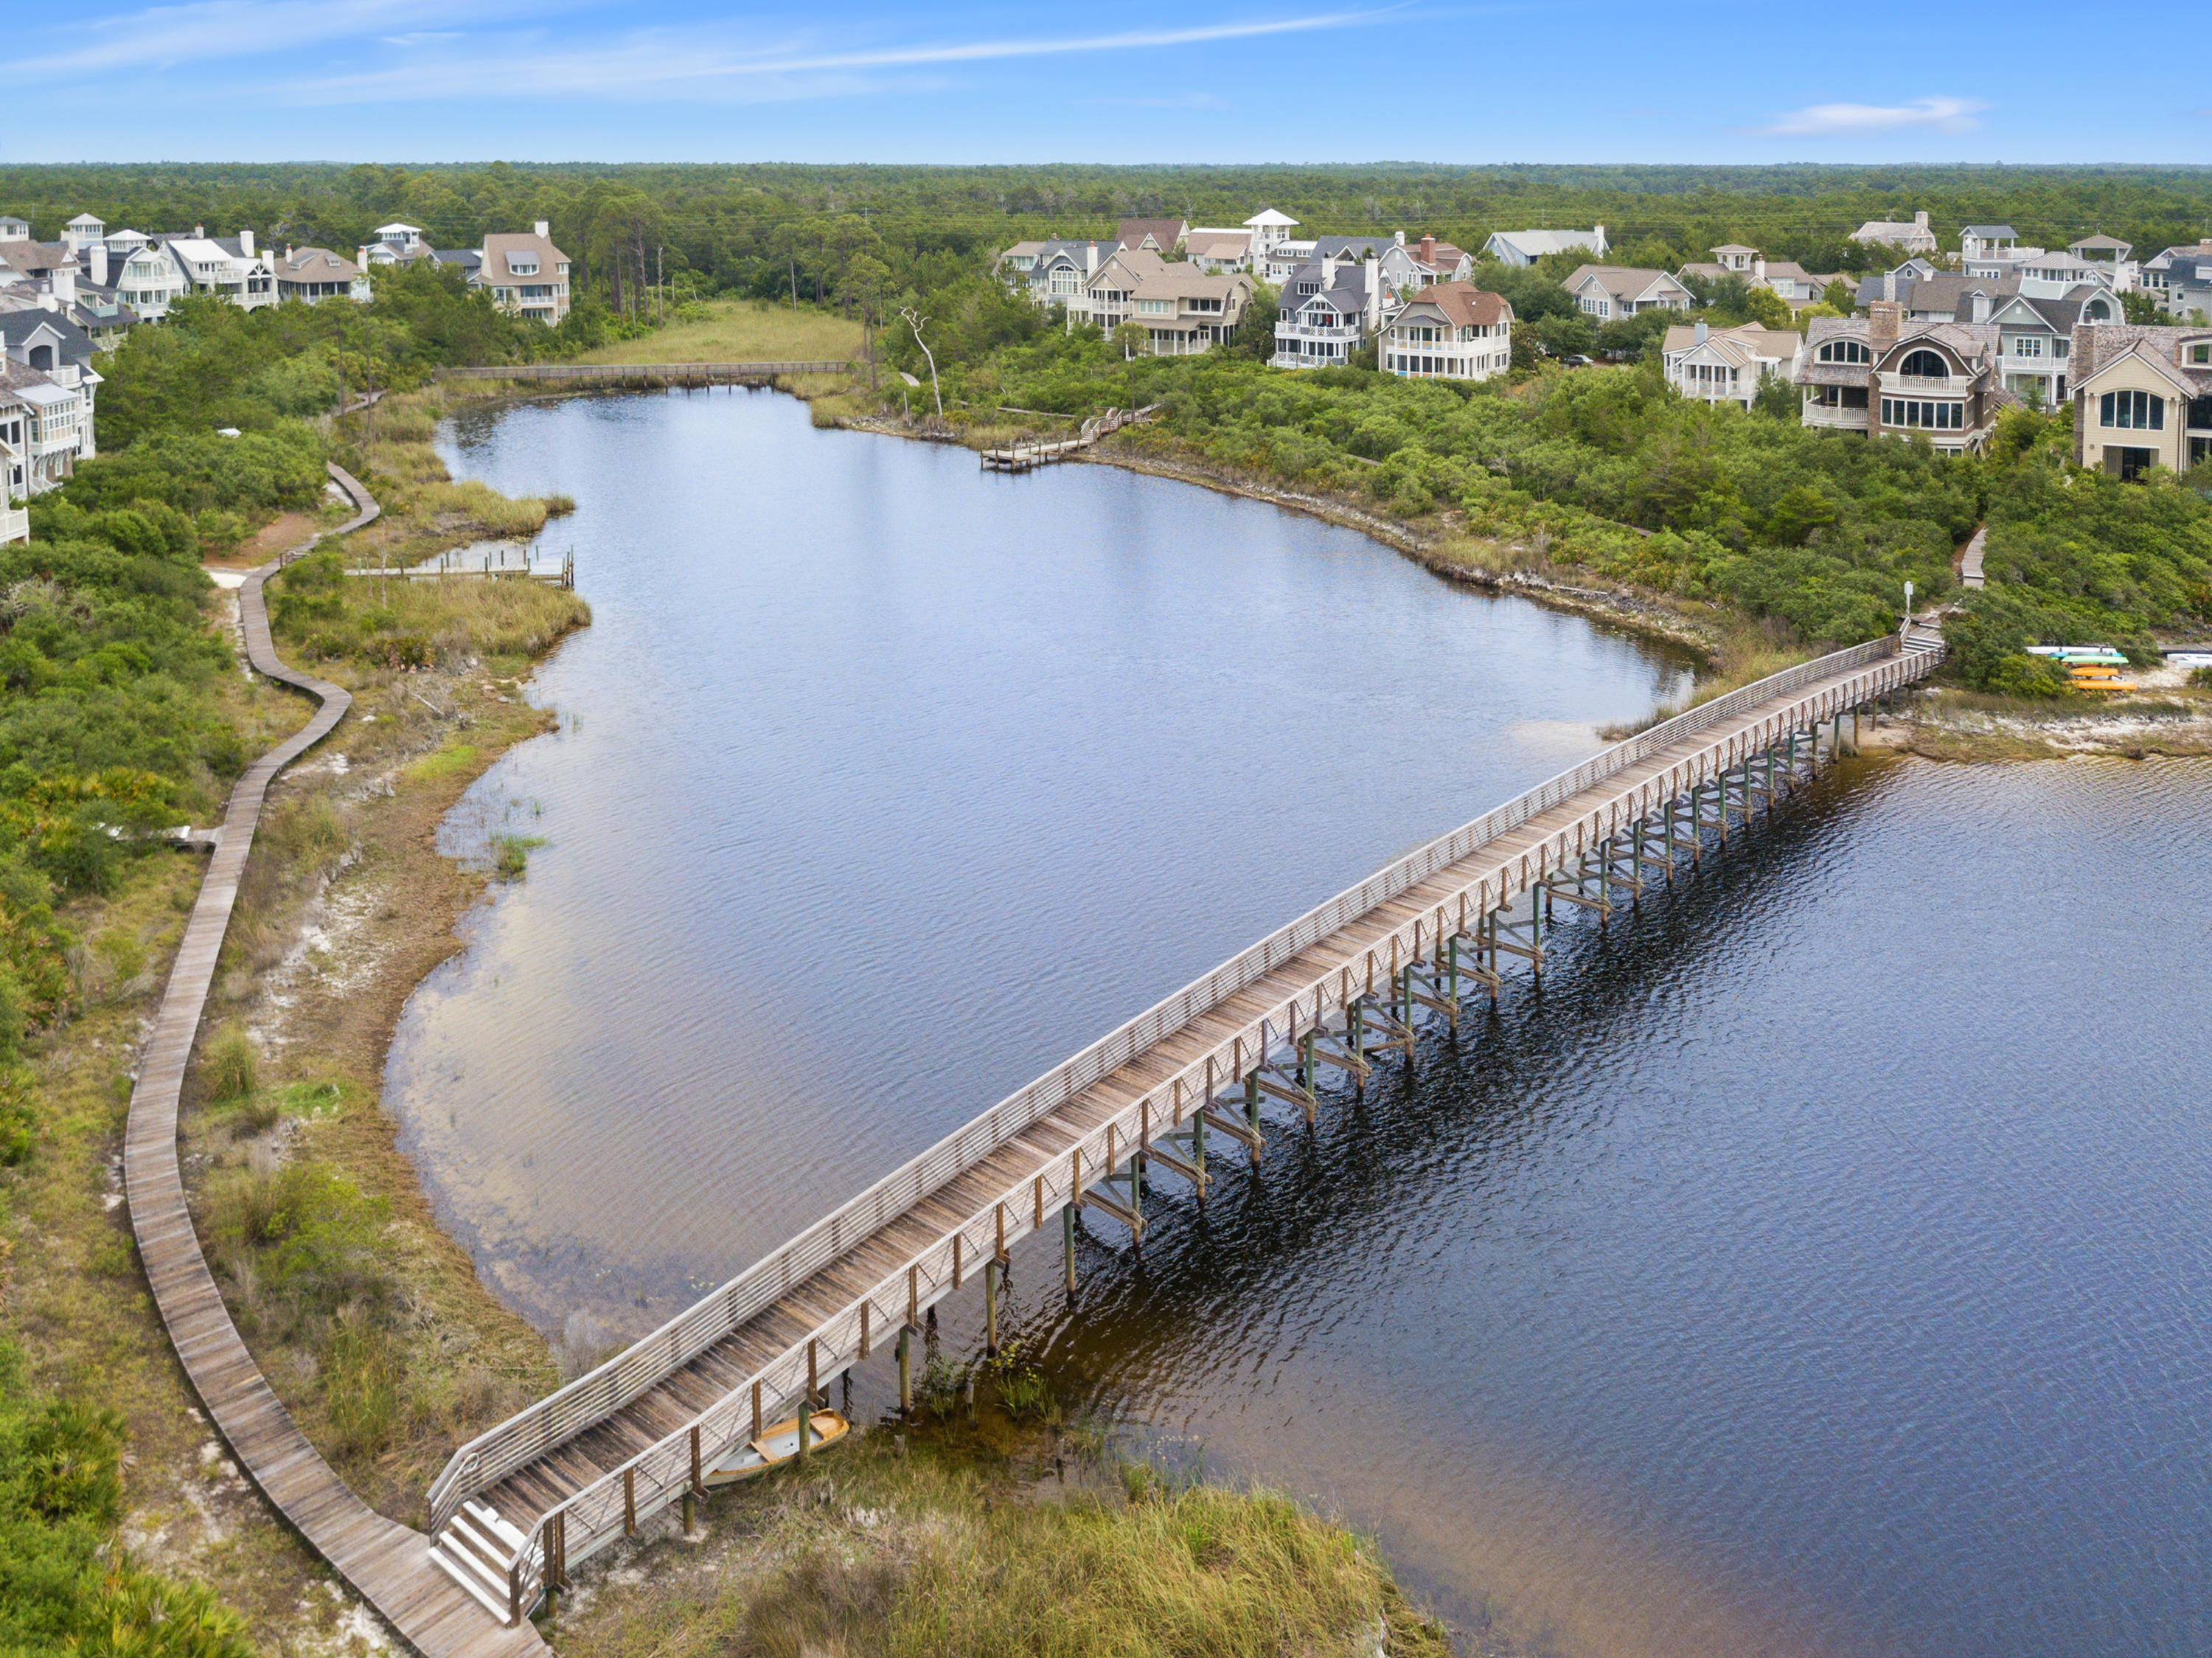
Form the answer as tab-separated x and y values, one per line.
773	1447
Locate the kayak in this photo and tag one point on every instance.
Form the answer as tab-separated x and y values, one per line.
776	1445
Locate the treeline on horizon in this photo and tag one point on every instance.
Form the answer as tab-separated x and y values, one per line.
767	228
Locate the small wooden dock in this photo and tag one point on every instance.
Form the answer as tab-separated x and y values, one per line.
388	1564
1025	457
455	567
650	374
1185	1080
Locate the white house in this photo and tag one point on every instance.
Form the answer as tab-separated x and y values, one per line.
1785	278
1215	250
1524	248
1913	235
395	244
1268	227
136	272
1727	365
1607	291
46	390
228	267
1452	329
1980	241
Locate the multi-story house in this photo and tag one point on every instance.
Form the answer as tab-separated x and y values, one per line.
1451	330
2143	396
2179	279
1186	310
1913	235
47	387
1107	297
1328	310
1524	248
1884	377
1435	261
1056	273
137	272
2035	339
228	267
312	275
1268	227
527	275
82	231
1607	291
1728	365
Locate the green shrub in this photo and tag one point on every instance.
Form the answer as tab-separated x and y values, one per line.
2201	677
2019	674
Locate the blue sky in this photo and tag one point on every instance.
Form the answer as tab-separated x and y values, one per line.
1198	81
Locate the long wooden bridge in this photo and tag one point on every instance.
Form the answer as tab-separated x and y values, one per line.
650	374
1025	457
516	1506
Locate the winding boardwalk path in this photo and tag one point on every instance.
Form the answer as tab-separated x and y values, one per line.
385	1562
1970	559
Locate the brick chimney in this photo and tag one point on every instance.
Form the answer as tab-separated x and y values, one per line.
1885	321
1428	249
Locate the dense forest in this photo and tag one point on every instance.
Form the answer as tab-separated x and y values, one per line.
775	229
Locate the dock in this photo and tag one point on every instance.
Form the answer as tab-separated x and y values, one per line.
1025	457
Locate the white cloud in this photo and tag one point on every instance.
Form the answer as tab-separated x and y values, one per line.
1832	120
699	62
210	30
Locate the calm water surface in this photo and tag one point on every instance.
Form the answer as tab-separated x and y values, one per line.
1817	1267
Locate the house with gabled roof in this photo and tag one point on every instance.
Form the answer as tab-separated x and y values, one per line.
228	267
1327	310
1186	310
1214	249
47	387
1268	226
1161	236
527	275
1107	297
1728	365
1884	376
2179	278
312	275
2035	339
1055	271
2143	396
1607	291
1524	248
1913	234
1447	330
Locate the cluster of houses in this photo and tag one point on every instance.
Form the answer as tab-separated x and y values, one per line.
60	301
1935	352
1187	287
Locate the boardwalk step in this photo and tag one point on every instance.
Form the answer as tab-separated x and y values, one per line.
491	1521
496	1608
466	1547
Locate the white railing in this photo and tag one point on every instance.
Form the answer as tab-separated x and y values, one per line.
660	1472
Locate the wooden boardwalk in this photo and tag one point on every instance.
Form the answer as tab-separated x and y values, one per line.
1026	457
650	374
386	1563
577	1471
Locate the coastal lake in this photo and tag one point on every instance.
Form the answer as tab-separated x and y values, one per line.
1816	1267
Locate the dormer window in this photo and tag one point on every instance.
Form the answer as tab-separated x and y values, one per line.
1926	365
1845	350
2198	351
522	265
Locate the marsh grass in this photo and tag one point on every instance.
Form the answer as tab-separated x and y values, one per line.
231	1068
510	854
742	331
919	1554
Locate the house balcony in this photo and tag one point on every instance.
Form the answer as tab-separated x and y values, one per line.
14	523
1823	414
1951	384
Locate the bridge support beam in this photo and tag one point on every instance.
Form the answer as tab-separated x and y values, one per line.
1067	1245
991	1270
906	1369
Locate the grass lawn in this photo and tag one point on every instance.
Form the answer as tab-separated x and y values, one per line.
742	331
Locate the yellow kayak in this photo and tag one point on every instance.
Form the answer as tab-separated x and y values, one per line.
776	1445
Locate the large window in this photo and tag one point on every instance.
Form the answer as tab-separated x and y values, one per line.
1908	412
1845	350
1925	364
2028	345
2200	414
2132	411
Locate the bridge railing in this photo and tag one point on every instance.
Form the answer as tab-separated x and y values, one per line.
636	370
523	1438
